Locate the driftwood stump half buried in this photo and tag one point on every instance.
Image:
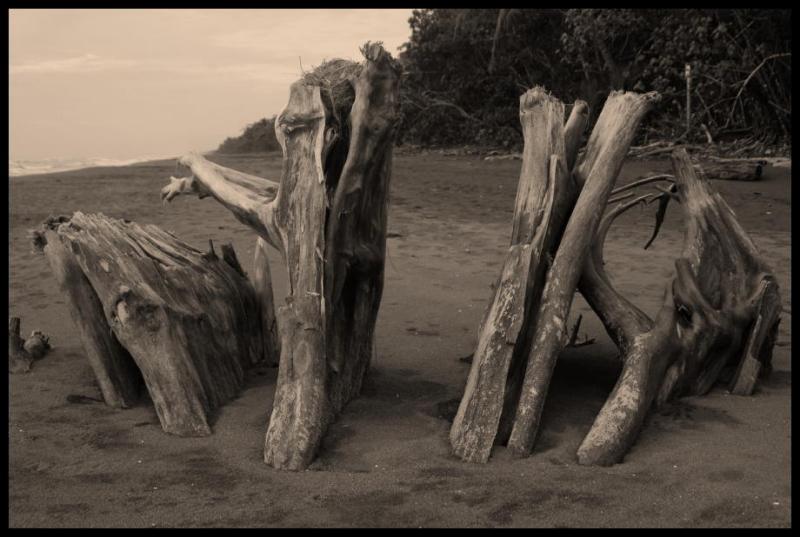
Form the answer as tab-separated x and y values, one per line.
150	306
720	312
327	217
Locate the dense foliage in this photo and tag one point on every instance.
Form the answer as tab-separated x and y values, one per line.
465	69
257	137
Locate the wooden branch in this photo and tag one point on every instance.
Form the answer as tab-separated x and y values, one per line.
247	196
747	80
619	421
747	170
601	164
644	181
300	413
757	356
357	224
622	320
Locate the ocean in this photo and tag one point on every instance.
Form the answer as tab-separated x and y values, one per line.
18	168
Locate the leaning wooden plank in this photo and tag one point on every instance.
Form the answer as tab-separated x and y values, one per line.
189	319
502	330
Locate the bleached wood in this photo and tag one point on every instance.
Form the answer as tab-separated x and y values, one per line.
117	375
605	152
335	276
721	310
262	283
502	331
189	320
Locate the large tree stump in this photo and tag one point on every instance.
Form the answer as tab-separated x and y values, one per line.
149	305
328	218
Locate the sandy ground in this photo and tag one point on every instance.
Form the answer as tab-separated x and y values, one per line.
719	460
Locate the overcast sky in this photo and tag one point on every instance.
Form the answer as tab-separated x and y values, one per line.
130	83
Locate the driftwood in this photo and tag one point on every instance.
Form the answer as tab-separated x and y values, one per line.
734	170
113	367
262	282
328	219
23	352
600	166
721	312
511	329
540	211
150	306
37	345
19	360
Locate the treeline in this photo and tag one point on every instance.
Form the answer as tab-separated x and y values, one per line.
467	68
257	137
464	70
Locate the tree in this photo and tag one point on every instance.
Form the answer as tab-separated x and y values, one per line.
465	68
256	137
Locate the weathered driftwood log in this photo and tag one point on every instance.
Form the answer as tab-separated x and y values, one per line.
541	208
189	320
328	219
720	311
734	170
243	194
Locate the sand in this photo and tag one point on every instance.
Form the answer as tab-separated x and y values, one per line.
719	460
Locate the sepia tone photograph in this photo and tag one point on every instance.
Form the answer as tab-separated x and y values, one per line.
415	268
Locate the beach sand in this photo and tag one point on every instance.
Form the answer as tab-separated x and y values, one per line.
719	460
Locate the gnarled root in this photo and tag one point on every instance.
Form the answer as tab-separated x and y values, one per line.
721	311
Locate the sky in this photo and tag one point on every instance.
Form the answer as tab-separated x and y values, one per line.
129	83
